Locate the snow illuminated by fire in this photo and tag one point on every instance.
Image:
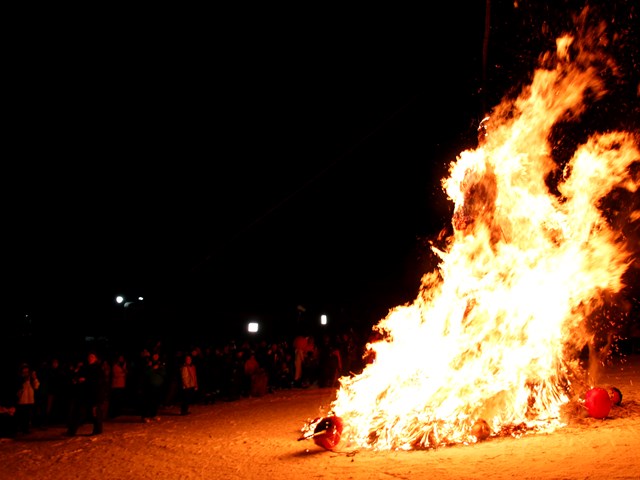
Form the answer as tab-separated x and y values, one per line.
493	333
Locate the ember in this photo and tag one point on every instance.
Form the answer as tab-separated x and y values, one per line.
490	345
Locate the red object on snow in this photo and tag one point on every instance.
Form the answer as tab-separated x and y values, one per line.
598	402
616	396
328	432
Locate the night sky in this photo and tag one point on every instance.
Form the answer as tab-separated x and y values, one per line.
236	164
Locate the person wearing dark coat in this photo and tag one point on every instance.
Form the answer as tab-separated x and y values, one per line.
153	384
89	396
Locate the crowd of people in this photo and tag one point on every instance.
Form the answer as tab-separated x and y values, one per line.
102	384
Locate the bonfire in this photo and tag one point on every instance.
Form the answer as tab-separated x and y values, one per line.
491	345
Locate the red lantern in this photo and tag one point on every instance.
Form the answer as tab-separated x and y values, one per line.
598	402
327	433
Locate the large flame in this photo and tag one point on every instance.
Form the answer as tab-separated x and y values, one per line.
491	339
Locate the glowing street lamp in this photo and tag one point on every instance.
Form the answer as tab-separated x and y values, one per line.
253	327
323	319
120	300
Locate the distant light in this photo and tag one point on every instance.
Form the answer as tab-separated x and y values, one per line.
323	319
252	327
120	299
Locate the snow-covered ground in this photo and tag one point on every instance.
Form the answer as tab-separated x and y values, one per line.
258	438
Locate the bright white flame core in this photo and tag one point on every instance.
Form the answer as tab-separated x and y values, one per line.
492	332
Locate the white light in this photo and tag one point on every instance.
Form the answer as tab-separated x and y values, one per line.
252	327
323	319
119	299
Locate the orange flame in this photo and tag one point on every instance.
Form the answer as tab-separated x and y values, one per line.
491	339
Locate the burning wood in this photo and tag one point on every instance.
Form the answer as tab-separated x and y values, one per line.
489	347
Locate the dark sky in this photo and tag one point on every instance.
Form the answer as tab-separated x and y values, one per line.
228	165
